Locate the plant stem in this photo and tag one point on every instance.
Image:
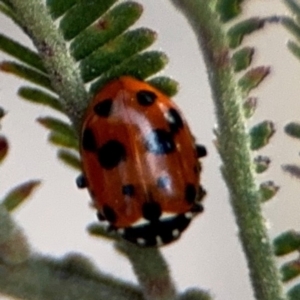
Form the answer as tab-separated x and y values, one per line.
65	78
151	271
233	145
42	278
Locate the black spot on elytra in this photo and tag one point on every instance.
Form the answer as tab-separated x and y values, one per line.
145	98
201	151
88	140
151	211
103	108
111	154
174	119
163	182
160	141
128	190
190	193
109	214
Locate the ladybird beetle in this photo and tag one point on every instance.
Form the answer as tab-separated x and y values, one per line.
140	163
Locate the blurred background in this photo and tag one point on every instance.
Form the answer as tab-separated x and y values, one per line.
209	254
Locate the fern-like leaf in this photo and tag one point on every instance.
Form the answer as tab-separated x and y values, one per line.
58	126
22	53
242	58
70	159
228	9
139	66
38	96
3	148
19	194
253	78
115	52
26	73
81	15
107	28
57	7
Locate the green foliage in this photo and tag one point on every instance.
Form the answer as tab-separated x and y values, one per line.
294	48
253	78
228	9
61	140
3	148
70	159
40	97
15	250
242	58
107	28
294	7
293	129
167	85
19	194
290	270
287	242
95	229
233	142
115	52
149	63
99	41
81	15
57	7
194	294
26	73
261	163
13	244
293	25
294	293
260	134
238	31
104	49
268	190
62	133
8	11
21	53
249	106
290	241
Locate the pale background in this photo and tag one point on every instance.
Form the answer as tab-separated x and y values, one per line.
209	254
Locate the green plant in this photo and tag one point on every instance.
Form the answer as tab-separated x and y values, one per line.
64	79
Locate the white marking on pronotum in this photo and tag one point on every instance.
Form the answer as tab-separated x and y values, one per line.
189	215
164	217
175	233
141	241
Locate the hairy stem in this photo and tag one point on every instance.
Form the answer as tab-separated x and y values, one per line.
41	278
233	145
151	271
65	78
